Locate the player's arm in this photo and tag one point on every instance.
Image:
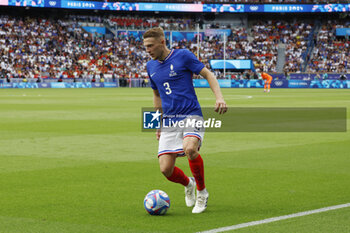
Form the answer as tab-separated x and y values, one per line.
220	105
157	102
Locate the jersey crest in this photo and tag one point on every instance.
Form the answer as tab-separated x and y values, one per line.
172	72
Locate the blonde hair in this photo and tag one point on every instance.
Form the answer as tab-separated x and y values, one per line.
157	32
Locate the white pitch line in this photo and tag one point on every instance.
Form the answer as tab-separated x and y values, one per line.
275	219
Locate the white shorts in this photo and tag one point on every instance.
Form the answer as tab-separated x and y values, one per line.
171	140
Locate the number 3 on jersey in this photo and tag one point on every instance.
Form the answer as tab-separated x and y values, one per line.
167	88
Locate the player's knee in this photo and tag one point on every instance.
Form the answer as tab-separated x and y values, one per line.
191	152
167	171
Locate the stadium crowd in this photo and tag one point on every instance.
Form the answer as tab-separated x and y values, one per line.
261	44
41	47
331	53
296	38
44	48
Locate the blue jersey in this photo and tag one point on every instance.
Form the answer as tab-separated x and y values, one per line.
173	80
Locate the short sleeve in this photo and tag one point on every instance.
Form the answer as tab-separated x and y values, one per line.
191	62
153	85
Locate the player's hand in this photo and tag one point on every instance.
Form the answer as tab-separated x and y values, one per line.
220	106
158	134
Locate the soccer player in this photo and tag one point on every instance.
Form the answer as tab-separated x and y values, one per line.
170	73
268	80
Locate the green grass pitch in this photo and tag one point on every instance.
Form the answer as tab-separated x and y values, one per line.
75	160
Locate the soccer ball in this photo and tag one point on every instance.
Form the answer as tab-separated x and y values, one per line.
156	202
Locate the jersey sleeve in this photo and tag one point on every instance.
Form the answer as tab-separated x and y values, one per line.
191	62
153	85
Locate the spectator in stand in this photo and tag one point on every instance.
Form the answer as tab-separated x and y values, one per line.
144	82
102	79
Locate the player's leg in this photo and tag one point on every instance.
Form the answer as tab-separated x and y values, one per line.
191	145
170	146
265	86
170	171
268	85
